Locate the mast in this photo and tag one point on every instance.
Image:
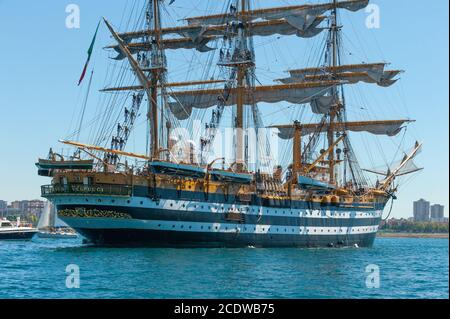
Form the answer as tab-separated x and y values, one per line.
241	79
155	74
297	151
335	108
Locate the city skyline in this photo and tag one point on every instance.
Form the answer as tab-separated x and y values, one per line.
52	97
423	210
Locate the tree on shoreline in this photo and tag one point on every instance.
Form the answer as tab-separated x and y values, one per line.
406	226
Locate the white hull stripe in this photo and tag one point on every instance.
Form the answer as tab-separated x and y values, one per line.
204	207
177	226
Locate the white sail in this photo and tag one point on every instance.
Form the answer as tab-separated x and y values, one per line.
44	220
49	218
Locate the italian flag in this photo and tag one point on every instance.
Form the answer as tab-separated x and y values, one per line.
91	49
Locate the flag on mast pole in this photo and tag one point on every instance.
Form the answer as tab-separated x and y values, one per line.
91	49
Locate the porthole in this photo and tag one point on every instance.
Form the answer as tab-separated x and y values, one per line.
142	203
128	202
173	226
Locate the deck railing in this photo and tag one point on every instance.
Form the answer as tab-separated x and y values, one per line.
81	189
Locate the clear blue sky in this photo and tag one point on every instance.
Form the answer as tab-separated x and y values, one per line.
41	60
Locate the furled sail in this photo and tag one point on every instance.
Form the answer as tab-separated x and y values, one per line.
350	74
323	104
374	70
168	44
302	21
388	128
301	17
384	79
259	28
198	37
300	93
166	85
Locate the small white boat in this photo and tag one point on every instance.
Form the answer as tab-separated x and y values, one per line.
50	227
57	234
9	231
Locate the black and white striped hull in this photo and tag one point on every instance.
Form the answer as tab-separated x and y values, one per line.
178	223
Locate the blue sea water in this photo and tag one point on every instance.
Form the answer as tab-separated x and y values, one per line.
408	268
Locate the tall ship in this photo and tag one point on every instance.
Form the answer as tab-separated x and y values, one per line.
180	191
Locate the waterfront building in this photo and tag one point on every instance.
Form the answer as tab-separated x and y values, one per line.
421	211
437	213
3	207
25	207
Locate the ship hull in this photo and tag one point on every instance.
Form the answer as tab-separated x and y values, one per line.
176	223
176	239
17	235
